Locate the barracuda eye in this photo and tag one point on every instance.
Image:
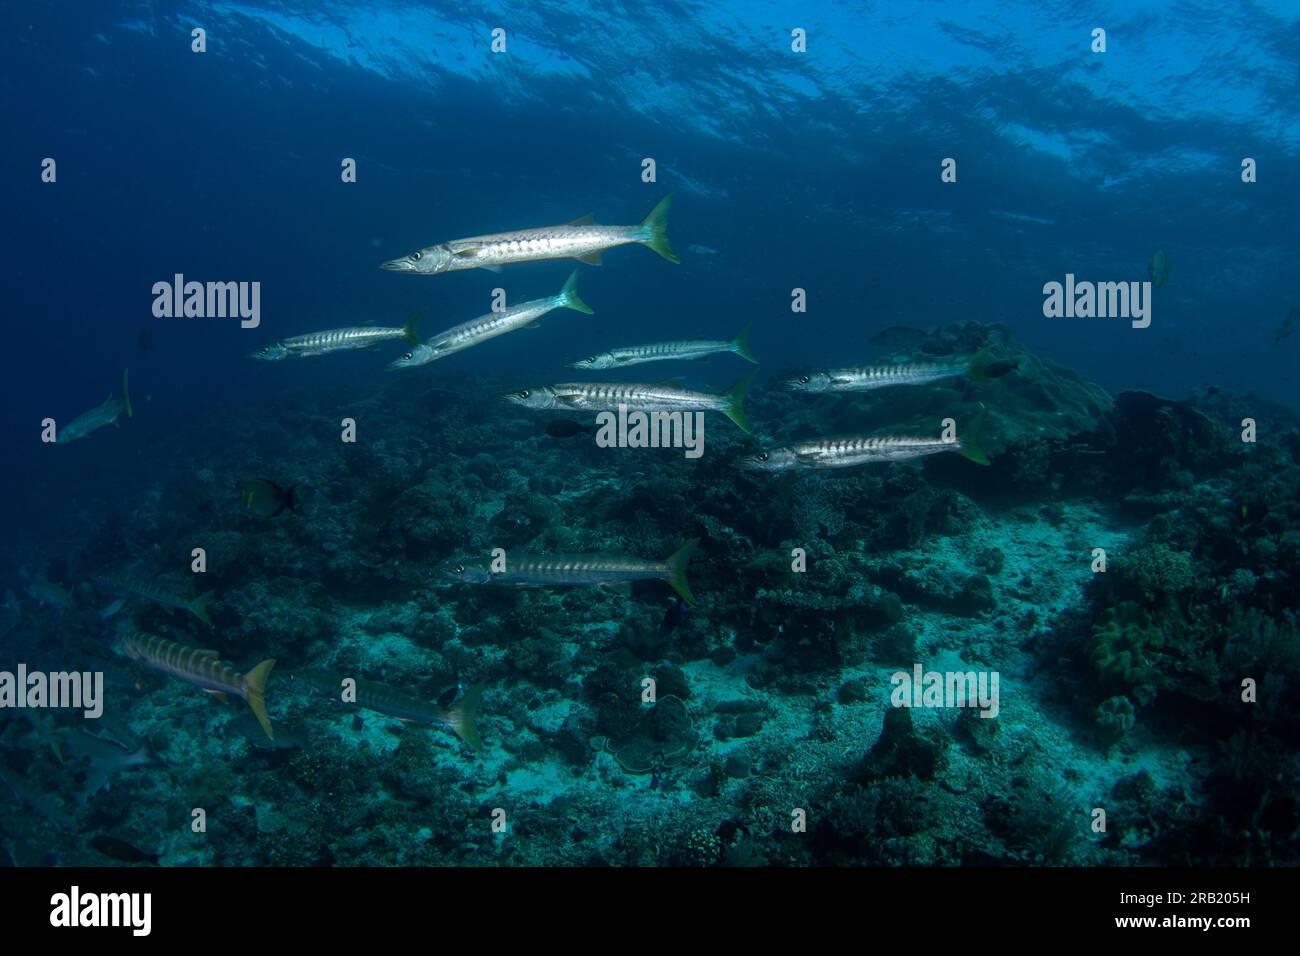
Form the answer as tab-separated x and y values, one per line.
762	456
408	356
525	393
415	256
460	569
804	380
267	350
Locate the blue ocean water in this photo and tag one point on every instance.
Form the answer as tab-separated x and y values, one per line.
819	169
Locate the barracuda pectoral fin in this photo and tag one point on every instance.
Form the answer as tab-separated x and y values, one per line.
532	325
841	380
587	220
807	455
590	258
218	695
573	400
491	268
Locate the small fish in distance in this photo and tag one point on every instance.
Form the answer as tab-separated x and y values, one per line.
871	377
685	350
132	584
337	340
576	570
95	419
825	453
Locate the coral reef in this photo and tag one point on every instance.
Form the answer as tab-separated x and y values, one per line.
770	739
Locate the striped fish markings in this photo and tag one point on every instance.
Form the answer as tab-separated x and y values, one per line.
136	586
525	315
577	570
337	340
687	350
825	453
459	718
98	417
636	397
581	239
870	377
204	669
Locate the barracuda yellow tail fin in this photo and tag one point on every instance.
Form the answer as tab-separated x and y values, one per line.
656	228
972	441
677	562
740	344
199	607
410	331
461	717
569	295
735	401
254	689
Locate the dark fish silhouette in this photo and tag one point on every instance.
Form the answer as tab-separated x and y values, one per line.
674	617
120	850
1288	326
266	499
565	428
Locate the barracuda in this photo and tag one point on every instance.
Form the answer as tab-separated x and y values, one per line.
203	669
386	700
577	570
851	452
98	417
608	396
337	340
884	376
133	585
581	239
489	326
687	350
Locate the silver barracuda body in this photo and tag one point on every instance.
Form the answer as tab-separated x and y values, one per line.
823	453
575	570
682	350
636	397
870	377
336	340
99	416
489	326
581	239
